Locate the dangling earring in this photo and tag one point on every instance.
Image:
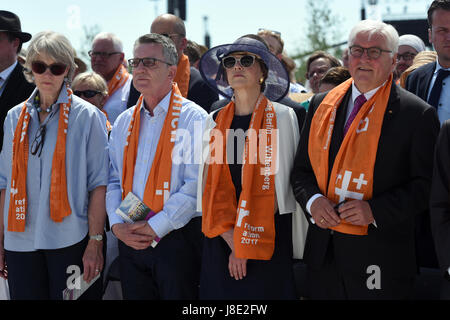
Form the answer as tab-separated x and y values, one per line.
261	81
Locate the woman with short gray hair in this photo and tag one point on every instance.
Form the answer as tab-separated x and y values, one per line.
53	173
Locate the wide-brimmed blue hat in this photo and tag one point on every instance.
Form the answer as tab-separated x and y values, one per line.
212	70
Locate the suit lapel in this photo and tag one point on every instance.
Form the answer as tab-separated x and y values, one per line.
425	80
11	87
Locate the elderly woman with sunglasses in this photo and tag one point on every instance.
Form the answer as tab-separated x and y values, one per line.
244	191
53	177
91	86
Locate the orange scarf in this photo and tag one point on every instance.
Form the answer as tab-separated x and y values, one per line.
253	219
352	172
183	75
59	203
158	182
108	124
118	80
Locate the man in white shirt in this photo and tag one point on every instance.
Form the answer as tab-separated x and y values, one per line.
107	59
362	173
13	86
171	269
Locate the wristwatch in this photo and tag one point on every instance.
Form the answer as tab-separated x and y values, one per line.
97	237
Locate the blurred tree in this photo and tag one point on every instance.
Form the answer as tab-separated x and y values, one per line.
86	42
322	33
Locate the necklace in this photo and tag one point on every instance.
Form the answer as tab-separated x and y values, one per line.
38	108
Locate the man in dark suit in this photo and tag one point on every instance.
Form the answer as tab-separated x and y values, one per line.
428	82
431	83
440	206
198	91
14	88
363	247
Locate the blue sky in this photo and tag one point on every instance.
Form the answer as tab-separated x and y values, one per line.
227	19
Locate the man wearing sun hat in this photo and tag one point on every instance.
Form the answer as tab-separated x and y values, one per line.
409	46
13	86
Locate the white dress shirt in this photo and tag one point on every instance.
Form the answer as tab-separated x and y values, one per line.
117	103
444	100
180	207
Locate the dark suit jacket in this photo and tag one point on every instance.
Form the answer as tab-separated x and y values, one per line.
440	197
418	82
300	112
401	186
199	92
17	90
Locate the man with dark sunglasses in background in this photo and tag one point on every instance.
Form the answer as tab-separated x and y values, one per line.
107	59
13	86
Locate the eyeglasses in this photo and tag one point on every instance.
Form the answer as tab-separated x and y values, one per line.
372	52
406	56
245	61
319	72
147	62
56	69
103	55
38	141
86	93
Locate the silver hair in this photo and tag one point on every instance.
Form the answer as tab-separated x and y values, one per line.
168	47
54	45
371	28
117	43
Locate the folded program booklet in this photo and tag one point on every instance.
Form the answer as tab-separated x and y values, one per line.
132	209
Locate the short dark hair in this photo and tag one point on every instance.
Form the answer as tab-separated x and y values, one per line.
193	52
435	5
334	62
336	76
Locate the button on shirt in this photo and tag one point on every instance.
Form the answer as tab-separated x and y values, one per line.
180	207
443	109
86	169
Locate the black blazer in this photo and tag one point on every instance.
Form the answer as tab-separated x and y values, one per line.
418	82
401	186
199	92
17	90
440	197
299	110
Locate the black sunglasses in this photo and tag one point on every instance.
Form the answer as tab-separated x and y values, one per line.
86	93
56	69
245	61
38	141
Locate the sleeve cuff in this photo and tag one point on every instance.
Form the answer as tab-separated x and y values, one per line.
160	224
311	200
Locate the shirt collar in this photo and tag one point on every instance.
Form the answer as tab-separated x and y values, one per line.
7	72
356	93
62	98
162	106
439	67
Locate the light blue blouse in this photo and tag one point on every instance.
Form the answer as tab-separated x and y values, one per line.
86	169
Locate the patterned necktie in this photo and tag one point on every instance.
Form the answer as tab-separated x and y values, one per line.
437	88
359	101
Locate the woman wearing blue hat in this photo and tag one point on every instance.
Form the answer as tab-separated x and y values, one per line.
244	191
